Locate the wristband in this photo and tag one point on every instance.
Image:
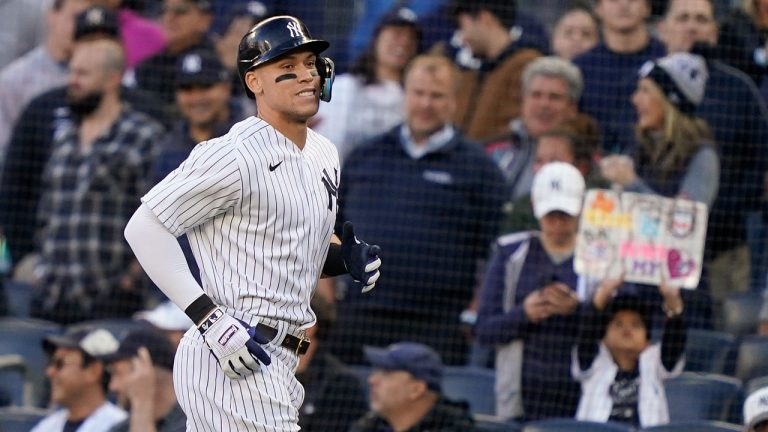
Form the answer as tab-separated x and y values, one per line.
200	309
334	262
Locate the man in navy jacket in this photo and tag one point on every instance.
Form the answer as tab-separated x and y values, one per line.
433	200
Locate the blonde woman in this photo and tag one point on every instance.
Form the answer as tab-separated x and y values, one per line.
675	155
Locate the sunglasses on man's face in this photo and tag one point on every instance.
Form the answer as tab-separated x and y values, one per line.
60	362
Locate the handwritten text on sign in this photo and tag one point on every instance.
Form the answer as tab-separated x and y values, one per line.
646	238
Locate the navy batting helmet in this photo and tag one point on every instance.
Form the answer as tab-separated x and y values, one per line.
275	37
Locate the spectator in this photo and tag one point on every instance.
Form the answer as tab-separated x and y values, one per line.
406	393
141	376
79	382
30	147
675	156
490	96
551	89
203	97
427	195
333	394
610	67
756	411
40	69
622	375
742	42
142	38
528	303
168	318
560	144
86	268
368	101
734	110
186	23
22	27
576	32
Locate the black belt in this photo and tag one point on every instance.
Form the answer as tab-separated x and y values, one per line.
296	344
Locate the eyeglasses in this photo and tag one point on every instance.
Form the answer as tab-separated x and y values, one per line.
59	363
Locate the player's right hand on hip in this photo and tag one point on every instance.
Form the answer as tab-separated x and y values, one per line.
234	343
361	259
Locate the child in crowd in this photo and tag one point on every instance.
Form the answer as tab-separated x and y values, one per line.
622	375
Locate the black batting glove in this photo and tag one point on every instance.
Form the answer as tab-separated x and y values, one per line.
361	259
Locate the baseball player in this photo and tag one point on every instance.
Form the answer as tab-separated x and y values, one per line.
258	206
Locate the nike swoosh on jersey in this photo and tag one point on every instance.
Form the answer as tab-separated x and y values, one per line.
274	167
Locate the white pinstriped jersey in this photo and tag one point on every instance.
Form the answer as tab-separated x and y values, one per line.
259	213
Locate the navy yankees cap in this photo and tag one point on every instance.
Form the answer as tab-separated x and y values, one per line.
96	20
254	10
200	67
417	359
160	349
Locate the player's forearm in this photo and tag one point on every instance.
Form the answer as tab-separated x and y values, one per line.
160	255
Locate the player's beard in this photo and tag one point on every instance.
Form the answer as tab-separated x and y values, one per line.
83	106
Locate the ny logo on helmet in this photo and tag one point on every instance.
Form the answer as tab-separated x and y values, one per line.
294	28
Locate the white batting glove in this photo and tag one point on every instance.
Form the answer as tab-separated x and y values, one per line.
234	344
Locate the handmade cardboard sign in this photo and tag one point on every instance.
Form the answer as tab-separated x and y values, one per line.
647	238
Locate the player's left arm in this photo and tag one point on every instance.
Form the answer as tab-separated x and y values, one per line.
350	255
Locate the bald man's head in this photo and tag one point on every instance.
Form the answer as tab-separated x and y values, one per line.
95	70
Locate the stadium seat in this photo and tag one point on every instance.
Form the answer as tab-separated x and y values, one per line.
697	396
117	326
573	425
752	357
24	336
485	423
14	388
755	384
475	385
19	295
708	351
697	426
740	313
20	419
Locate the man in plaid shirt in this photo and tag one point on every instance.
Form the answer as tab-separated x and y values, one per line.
99	168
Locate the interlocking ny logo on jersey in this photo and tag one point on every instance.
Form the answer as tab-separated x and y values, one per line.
331	186
294	28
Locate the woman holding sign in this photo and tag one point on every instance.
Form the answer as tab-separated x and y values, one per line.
675	155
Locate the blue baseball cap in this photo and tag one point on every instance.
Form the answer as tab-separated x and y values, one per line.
160	349
200	67
417	359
